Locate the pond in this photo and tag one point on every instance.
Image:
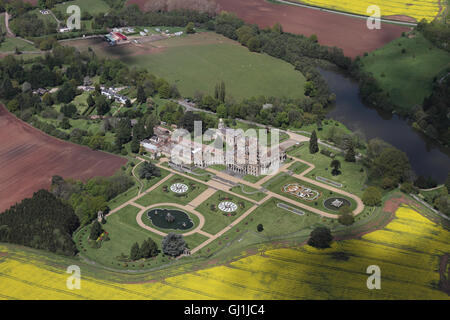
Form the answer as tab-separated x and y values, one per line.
170	219
426	157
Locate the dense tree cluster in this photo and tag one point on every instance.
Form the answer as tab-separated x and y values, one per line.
89	198
148	249
41	222
148	170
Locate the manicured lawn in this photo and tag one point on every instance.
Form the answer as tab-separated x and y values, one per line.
298	167
407	77
160	196
194	240
280	180
196	61
216	219
351	177
280	222
248	192
252	179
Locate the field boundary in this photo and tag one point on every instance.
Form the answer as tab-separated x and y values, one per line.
344	13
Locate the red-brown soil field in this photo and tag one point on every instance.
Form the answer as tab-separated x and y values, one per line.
350	34
29	158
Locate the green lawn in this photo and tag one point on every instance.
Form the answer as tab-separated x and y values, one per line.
351	176
191	65
276	184
160	196
407	77
298	167
123	232
216	219
92	6
10	44
252	193
280	222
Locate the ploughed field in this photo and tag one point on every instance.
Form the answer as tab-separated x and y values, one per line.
29	158
349	33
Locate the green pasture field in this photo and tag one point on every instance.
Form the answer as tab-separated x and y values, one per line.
407	77
92	6
200	61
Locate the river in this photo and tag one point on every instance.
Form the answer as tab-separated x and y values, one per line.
426	157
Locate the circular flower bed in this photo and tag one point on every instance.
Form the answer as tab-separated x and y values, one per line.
227	206
179	188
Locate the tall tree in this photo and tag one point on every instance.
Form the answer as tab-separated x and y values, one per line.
141	96
336	165
350	155
313	145
96	230
135	253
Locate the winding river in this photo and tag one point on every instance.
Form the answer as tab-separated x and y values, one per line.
426	157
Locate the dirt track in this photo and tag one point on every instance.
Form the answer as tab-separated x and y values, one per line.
29	158
350	34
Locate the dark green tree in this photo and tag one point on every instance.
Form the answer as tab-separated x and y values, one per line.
346	219
190	28
102	105
320	238
135	145
313	145
96	230
135	253
350	155
148	170
259	227
148	249
336	165
447	183
141	96
65	123
372	196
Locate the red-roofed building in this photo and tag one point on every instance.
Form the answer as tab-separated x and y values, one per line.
121	36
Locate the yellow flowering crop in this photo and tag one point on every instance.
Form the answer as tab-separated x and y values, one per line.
407	251
418	9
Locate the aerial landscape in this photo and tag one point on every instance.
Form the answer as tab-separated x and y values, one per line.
224	150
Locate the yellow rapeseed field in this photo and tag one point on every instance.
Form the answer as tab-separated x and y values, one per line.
407	251
418	9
